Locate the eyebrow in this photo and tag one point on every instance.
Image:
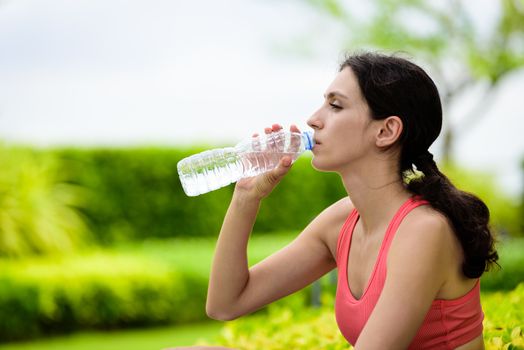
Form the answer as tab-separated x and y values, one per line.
335	93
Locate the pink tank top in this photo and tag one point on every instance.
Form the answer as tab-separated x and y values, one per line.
448	323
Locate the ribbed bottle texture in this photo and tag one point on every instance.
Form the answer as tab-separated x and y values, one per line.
210	170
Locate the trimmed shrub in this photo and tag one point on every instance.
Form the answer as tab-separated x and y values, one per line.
95	292
134	194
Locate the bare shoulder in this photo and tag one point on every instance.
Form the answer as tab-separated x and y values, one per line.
330	221
425	225
339	210
425	235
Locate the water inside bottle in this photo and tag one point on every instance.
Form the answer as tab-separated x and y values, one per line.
256	163
199	178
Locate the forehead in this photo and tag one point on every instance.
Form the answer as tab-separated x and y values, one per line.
346	83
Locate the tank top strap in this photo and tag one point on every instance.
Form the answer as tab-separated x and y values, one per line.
344	238
404	210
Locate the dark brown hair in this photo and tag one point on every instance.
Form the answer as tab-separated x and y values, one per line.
393	85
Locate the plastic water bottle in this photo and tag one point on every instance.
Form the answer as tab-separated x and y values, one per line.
210	170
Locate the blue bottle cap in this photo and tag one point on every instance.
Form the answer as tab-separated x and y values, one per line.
307	136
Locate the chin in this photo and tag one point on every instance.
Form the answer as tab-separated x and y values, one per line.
317	164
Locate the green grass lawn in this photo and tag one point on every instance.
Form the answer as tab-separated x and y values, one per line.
193	255
157	338
196	254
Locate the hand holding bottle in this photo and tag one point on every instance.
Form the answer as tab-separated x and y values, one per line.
260	186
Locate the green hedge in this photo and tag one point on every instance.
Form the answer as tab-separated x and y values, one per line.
95	292
134	194
286	327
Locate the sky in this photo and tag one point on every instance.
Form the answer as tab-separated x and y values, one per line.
120	73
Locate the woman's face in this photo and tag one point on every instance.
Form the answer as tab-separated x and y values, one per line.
344	130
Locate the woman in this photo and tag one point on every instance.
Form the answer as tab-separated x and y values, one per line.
409	253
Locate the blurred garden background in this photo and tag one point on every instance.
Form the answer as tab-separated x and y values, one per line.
99	246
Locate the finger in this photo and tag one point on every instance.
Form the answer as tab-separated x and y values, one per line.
255	143
267	131
270	141
279	138
276	127
274	176
296	139
286	162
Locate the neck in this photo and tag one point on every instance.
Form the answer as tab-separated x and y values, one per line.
376	191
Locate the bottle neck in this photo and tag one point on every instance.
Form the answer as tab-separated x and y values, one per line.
307	139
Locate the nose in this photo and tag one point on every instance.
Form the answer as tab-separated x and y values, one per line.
314	121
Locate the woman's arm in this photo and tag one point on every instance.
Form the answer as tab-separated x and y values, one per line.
229	272
235	290
418	264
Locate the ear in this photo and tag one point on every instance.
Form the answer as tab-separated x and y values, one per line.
389	131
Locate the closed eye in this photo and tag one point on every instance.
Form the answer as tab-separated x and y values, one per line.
334	106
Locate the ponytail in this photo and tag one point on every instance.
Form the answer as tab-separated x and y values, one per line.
468	215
